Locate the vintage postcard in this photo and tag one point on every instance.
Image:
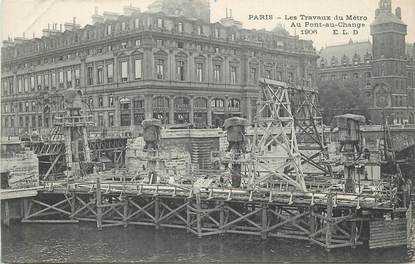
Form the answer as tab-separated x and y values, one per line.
207	131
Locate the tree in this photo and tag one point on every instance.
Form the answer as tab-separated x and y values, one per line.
340	97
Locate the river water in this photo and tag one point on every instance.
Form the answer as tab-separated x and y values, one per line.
84	243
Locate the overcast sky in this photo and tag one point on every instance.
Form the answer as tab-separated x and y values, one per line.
31	16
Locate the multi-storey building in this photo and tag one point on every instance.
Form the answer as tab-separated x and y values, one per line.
384	70
169	63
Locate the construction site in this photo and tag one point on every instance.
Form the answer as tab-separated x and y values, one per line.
285	175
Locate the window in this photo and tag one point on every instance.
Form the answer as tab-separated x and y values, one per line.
138	104
199	72
91	102
100	75
34	108
122	26
216	73
217	34
100	119
124	71
216	50
344	76
123	45
254	74
61	79
355	75
69	78
268	74
26	106
137	69
26	84
32	82
233	75
136	22
160	69
109	29
77	78
199	30
46	81
290	77
159	22
90	75
110	73
233	36
110	101
159	43
109	48
21	121
279	76
39	82
20	85
180	27
100	101
137	42
110	119
180	45
180	70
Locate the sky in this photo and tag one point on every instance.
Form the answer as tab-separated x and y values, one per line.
29	17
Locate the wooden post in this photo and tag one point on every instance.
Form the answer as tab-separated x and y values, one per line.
125	212
157	212
328	221
73	207
264	221
198	215
353	234
6	219
99	205
409	223
188	218
222	217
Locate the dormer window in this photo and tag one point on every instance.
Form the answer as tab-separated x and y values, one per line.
180	27
216	33
137	23
123	26
233	37
109	29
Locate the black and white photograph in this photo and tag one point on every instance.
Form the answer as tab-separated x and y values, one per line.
198	131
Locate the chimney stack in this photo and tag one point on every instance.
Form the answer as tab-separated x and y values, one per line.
230	12
226	13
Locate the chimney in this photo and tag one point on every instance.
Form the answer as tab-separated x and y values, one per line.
398	12
96	11
230	12
60	27
74	20
226	13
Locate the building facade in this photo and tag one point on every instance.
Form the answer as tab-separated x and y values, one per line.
383	69
141	65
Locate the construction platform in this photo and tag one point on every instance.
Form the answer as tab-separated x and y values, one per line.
330	220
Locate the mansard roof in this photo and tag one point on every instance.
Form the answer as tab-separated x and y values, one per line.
349	50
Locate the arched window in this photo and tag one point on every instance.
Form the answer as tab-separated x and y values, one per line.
161	101
218	103
234	104
200	103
